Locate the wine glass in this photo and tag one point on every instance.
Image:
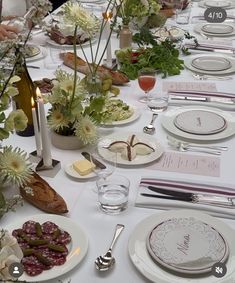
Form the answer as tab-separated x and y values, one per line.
146	80
103	167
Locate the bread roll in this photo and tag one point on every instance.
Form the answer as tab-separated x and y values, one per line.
40	194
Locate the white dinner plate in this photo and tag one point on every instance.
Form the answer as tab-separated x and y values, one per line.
168	119
85	44
211	63
139	159
135	115
200	122
77	248
142	260
187	245
71	172
215	29
226	4
215	64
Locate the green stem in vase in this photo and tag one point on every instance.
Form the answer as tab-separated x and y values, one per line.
75	65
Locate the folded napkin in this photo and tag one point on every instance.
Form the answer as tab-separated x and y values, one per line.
182	186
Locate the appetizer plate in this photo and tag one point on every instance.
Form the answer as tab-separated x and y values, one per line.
200	122
214	29
187	245
77	248
139	159
68	46
72	173
135	115
168	123
174	33
152	270
215	64
226	4
42	54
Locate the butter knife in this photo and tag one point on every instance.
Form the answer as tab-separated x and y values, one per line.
225	100
215	200
89	157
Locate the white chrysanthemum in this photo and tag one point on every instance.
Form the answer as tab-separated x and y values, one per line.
16	120
86	130
14	166
67	85
57	120
78	16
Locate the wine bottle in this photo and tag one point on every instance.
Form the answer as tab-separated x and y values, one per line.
27	95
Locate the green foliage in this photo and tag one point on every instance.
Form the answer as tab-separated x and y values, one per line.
162	56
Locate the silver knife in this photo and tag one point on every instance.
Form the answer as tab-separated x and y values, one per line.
89	157
210	49
216	200
225	100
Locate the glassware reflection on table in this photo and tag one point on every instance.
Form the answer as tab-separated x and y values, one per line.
113	194
146	80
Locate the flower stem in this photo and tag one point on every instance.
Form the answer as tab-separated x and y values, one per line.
75	66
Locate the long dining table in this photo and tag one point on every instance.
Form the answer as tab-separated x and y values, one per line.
80	196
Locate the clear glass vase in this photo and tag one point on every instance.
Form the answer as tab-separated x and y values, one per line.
94	84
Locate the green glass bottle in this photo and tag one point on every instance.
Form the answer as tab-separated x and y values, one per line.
27	95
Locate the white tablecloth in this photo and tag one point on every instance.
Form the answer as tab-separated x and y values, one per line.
82	201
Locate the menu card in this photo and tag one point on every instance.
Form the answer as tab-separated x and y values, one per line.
195	86
188	164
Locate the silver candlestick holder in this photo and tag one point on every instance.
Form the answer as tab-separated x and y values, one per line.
48	171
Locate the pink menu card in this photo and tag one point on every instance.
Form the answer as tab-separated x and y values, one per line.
188	164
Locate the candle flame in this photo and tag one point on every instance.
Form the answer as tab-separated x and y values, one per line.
107	15
32	102
38	93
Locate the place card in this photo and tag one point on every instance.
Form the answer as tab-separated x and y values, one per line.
188	164
195	86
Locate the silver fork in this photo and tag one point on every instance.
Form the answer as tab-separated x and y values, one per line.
183	148
213	147
210	77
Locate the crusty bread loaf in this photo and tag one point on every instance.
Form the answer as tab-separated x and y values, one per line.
40	194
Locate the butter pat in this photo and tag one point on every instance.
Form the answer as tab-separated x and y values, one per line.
83	167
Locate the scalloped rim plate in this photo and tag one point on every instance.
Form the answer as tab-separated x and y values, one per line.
174	243
147	266
78	246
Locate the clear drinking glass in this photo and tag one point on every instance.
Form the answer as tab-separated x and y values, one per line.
146	80
113	194
158	102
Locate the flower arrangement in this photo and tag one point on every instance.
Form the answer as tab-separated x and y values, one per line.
137	11
15	168
74	112
67	116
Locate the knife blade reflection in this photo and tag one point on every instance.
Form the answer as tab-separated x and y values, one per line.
220	201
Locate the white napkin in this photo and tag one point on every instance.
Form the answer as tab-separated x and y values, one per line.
158	203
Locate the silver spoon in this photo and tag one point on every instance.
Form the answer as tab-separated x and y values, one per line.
106	261
150	129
